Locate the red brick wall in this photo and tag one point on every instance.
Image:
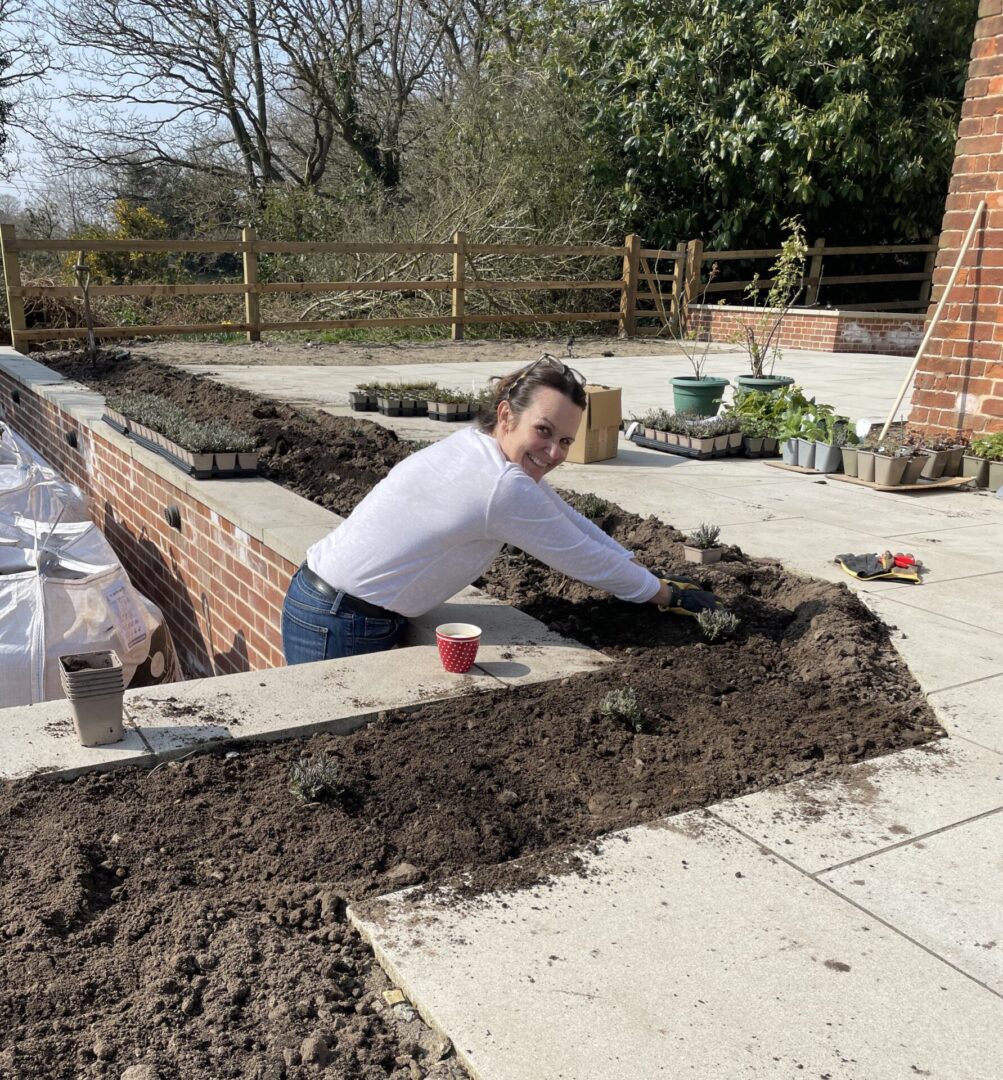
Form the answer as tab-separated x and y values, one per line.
219	589
828	331
959	381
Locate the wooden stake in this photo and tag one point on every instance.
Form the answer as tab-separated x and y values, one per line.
459	271
12	282
252	310
936	317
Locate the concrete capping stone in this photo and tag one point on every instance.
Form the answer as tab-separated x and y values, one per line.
811	313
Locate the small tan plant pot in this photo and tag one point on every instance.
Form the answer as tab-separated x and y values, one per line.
98	719
704	556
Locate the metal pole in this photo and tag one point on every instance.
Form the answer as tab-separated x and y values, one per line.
936	316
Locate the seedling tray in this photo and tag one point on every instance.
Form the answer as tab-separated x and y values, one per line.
190	470
685	451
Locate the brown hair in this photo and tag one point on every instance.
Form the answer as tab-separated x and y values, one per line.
519	387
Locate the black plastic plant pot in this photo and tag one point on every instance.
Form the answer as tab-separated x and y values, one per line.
954	458
359	401
248	462
408	407
225	462
771	445
753	445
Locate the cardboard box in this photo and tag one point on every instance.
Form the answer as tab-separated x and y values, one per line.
599	431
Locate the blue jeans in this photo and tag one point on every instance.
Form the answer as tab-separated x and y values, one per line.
316	627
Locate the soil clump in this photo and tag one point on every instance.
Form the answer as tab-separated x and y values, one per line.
191	918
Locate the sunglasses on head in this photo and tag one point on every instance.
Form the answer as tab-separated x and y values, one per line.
552	362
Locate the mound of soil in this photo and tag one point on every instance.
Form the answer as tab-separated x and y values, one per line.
191	918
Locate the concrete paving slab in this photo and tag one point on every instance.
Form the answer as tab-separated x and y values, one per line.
943	891
332	695
820	824
975	601
41	739
685	950
973	711
941	651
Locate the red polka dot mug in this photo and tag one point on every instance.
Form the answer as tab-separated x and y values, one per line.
457	645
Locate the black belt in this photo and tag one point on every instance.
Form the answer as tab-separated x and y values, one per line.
348	603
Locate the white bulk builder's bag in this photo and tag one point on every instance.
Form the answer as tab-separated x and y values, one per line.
71	594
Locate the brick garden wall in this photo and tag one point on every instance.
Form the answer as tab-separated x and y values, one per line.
959	382
220	590
827	331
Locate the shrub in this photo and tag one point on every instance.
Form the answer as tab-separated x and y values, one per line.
316	779
591	506
621	707
717	624
705	536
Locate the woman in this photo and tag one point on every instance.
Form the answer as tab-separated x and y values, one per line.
438	519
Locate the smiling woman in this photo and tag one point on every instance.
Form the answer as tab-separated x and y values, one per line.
440	517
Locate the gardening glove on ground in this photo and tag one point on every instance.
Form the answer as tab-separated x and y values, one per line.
687	598
873	567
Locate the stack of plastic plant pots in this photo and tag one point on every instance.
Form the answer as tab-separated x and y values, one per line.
94	684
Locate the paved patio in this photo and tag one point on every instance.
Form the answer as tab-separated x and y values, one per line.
841	929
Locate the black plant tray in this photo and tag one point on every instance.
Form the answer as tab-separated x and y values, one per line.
198	474
121	429
443	418
683	451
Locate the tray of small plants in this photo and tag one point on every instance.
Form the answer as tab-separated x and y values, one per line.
418	399
202	449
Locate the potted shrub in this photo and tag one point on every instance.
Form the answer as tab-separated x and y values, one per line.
790	431
388	399
759	337
703	545
989	448
362	398
698	394
827	431
446	405
845	437
700	434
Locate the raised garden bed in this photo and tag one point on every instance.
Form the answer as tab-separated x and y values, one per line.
192	917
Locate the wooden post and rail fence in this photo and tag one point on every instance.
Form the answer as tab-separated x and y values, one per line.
667	295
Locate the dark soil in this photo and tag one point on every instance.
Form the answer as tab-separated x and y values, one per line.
192	917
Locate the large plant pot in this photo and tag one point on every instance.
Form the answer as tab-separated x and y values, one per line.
789	452
976	467
766	383
806	454
913	469
936	462
828	459
770	445
995	475
954	457
889	470
865	465
849	456
699	397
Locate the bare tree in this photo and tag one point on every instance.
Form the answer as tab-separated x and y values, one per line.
24	58
263	90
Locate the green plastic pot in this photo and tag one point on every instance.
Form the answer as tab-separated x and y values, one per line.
766	383
698	397
976	467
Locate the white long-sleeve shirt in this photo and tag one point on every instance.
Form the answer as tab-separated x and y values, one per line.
437	520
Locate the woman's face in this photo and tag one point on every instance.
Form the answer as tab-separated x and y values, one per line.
539	439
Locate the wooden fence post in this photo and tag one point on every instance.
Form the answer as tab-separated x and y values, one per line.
678	284
12	282
459	269
928	268
814	272
691	280
628	289
252	310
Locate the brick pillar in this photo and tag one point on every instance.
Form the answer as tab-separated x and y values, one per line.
959	381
